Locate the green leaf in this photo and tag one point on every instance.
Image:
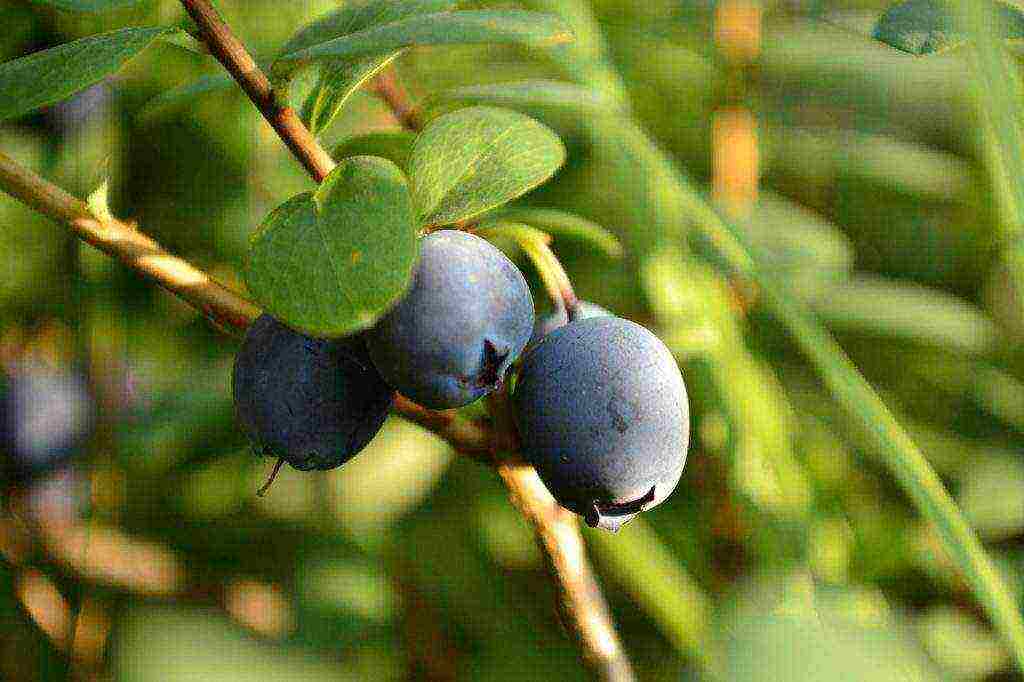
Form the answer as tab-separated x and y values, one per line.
479	158
393	145
91	6
562	224
359	16
337	82
992	497
331	262
529	29
567	108
909	312
170	100
339	78
45	77
639	560
926	26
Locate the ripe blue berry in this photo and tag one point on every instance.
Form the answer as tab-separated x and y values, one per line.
559	318
312	402
46	417
604	418
463	322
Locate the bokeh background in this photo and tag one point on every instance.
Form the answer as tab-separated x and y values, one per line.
788	550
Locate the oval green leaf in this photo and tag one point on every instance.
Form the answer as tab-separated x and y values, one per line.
476	159
331	262
476	27
45	77
926	26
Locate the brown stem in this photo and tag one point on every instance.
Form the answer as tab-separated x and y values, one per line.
395	96
236	59
582	606
270	479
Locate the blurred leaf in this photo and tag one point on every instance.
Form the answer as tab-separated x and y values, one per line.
390	479
163	643
585	59
799	244
393	145
476	159
992	496
528	29
183	94
842	378
812	634
645	568
355	589
999	89
925	26
331	262
562	224
49	76
337	79
960	644
908	312
88	5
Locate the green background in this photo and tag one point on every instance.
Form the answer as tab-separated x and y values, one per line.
788	548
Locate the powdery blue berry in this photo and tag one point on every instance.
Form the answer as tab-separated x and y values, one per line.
315	403
603	416
463	322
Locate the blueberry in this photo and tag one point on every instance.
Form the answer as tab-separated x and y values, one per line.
46	417
559	318
464	321
312	402
603	415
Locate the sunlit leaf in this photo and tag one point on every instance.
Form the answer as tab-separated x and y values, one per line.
476	159
331	262
48	76
529	29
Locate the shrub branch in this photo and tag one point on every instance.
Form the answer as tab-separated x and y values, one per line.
585	612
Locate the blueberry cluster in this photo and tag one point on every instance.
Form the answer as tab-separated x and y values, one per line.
599	401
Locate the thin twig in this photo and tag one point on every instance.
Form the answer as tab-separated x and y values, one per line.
395	96
582	606
236	59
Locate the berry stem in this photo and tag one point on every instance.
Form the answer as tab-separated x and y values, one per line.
396	97
270	480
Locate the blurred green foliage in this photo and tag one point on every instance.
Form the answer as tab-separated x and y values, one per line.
787	552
